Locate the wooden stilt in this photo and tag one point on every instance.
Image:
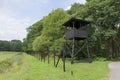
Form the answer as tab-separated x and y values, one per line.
57	62
64	69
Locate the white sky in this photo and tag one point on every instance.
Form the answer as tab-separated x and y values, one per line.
17	15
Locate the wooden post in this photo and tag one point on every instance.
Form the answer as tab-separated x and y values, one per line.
64	59
88	53
57	62
73	47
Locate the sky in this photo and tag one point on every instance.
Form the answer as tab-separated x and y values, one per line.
17	15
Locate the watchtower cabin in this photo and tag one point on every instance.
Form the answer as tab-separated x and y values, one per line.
77	30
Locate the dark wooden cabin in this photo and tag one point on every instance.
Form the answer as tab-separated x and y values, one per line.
78	31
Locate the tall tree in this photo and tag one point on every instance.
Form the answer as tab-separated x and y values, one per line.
13	45
5	45
16	45
52	30
104	14
33	32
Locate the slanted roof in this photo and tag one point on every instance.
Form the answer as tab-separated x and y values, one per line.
77	23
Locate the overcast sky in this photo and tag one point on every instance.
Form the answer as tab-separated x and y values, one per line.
17	15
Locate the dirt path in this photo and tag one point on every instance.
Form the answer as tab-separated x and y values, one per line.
115	70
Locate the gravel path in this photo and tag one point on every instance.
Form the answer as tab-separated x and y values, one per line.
115	70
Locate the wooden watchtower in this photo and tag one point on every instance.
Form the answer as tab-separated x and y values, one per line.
76	31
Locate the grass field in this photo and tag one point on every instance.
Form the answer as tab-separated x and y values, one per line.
30	68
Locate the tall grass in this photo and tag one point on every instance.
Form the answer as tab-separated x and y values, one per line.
33	69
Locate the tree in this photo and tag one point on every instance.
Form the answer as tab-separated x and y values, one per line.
5	46
33	32
104	15
16	45
103	32
52	30
13	45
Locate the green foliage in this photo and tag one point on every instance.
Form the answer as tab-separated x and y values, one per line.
4	45
53	24
104	30
33	32
40	43
105	14
16	45
100	59
52	31
13	45
58	45
75	8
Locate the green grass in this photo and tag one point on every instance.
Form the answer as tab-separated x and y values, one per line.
9	61
6	55
31	68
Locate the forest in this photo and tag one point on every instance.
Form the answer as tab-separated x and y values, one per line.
13	45
47	35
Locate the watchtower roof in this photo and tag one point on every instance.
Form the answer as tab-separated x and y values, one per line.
76	22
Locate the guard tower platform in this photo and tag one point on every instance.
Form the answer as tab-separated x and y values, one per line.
76	31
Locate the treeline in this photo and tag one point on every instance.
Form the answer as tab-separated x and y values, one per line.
13	45
47	35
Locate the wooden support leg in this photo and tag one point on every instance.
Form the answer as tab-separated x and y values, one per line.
89	59
57	62
64	60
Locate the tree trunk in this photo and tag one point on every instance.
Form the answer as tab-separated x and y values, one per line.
54	57
39	55
110	49
44	59
48	58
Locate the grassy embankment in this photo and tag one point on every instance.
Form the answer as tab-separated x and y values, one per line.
26	67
